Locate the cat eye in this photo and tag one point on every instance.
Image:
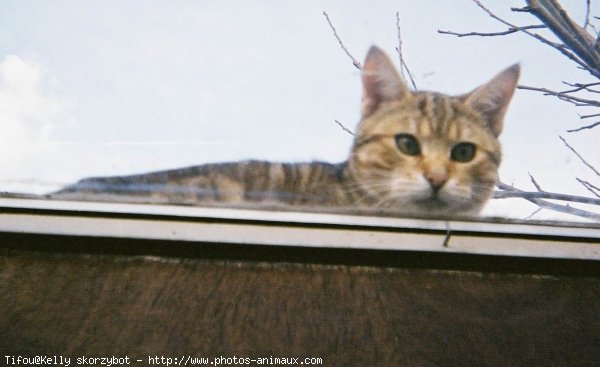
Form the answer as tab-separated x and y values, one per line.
408	144
463	152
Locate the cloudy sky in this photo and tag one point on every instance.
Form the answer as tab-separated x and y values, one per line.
116	87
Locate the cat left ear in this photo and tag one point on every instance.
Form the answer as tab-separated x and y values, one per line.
380	80
492	98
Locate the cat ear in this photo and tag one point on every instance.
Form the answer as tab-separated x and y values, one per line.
492	98
380	81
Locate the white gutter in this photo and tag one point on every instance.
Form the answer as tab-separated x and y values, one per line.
304	229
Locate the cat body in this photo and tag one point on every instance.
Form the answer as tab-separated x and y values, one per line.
252	181
422	153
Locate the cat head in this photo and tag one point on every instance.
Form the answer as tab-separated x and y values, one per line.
427	153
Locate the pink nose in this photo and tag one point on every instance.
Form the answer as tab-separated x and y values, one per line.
436	180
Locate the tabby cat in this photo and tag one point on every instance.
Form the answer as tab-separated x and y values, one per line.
422	153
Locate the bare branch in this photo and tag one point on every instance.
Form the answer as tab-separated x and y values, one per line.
399	48
539	209
546	195
354	61
579	45
588	116
577	38
537	186
587	89
520	10
545	204
541	194
403	65
586	22
579	86
590	187
344	128
560	47
563	96
579	156
510	30
584	127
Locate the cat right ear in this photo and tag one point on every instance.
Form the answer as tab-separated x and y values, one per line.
380	81
492	98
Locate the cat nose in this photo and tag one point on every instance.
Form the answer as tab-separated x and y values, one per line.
436	180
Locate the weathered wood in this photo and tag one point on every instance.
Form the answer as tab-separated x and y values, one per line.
55	303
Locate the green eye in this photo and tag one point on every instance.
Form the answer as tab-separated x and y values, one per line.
463	152
408	144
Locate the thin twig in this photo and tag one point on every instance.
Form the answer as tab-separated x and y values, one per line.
403	65
590	187
537	186
587	89
588	116
539	209
577	39
579	156
399	48
520	10
584	127
510	30
354	61
560	47
580	86
563	96
548	205
344	128
563	197
546	195
586	22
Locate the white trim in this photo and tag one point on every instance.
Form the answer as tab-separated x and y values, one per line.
286	228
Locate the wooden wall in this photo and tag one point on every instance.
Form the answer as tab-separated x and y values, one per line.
84	297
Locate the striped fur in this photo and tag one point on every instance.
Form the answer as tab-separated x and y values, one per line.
378	172
314	183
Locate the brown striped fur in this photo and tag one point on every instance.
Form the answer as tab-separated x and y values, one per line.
377	174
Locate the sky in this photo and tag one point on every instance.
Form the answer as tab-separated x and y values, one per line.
116	87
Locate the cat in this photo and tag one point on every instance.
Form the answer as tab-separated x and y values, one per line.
420	153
